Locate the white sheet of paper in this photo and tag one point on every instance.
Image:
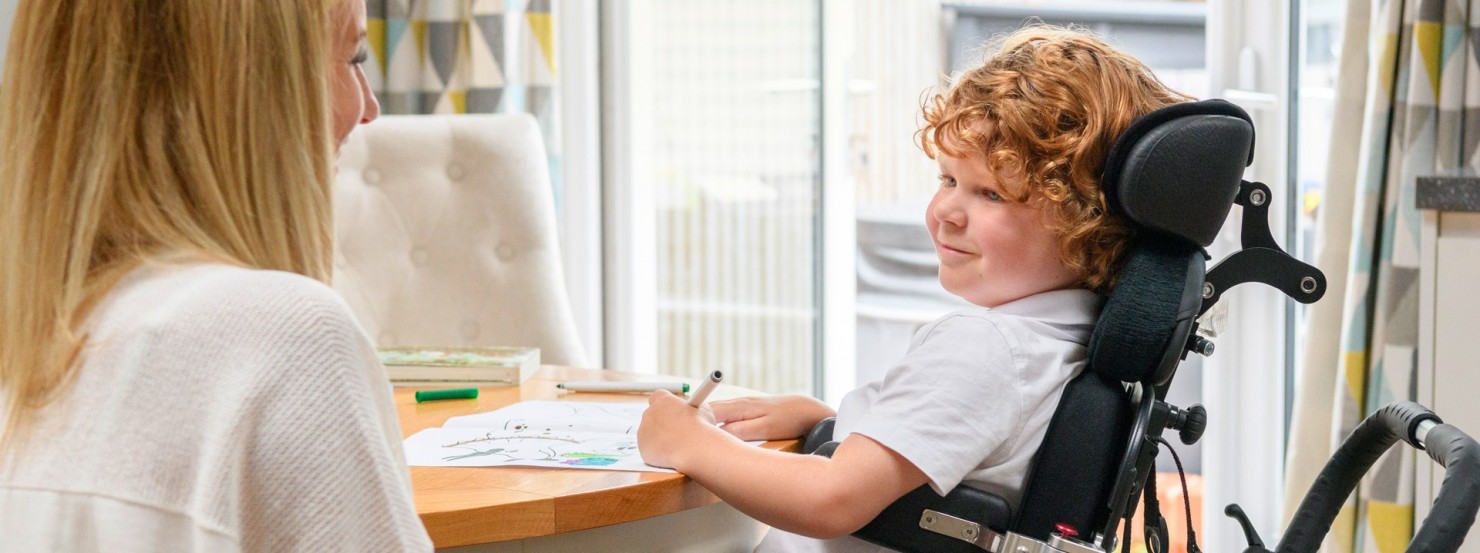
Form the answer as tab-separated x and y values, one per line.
472	447
558	416
555	434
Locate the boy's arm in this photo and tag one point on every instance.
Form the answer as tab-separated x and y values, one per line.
810	495
770	417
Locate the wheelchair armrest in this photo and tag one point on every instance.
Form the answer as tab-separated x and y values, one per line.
900	525
820	434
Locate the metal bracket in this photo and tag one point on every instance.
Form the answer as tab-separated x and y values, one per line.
1261	259
961	529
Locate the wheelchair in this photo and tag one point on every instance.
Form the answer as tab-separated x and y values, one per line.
1175	175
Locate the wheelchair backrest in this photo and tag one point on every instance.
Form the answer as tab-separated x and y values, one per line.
1174	174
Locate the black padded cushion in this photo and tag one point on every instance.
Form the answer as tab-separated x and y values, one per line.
1093	422
898	527
1147	318
1177	169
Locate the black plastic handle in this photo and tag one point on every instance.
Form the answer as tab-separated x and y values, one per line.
1454	509
1459	495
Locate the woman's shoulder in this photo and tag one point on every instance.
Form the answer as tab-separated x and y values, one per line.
211	298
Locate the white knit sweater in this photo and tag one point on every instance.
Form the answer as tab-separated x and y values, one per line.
216	409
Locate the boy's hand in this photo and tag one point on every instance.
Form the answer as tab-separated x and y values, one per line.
669	428
770	417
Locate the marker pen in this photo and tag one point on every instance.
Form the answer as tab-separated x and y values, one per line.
705	388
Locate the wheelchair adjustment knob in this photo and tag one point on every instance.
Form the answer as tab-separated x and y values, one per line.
1199	345
1189	423
1192	428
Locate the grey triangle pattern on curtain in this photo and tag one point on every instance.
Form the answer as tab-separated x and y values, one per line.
399	102
484	100
425	102
540	100
442	48
397	9
1470	107
492	27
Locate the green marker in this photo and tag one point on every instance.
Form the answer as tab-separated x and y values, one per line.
452	393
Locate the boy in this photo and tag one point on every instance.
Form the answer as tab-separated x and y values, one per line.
1023	233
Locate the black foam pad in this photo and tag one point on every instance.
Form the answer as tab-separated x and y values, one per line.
1146	319
1177	169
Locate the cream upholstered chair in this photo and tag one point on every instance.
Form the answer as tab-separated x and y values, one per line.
446	235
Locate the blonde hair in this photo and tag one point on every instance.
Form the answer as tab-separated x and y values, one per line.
1057	98
129	129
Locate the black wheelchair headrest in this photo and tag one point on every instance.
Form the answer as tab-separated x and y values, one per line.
1174	172
1177	170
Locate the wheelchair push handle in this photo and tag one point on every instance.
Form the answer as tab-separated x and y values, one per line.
1454	508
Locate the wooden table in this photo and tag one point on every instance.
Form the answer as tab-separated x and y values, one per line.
476	505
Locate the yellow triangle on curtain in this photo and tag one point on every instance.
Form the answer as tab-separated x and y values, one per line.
1428	36
375	33
459	100
1391	524
1344	528
1387	60
1356	376
419	32
544	32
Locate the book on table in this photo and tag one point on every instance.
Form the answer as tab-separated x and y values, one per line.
460	366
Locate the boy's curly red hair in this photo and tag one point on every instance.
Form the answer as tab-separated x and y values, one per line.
1057	99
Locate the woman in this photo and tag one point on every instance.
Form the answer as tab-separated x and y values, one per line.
174	373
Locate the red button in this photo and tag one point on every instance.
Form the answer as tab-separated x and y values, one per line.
1065	530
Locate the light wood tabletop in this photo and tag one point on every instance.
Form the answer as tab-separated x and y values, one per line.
472	505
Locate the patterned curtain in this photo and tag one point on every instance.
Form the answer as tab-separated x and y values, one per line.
1404	81
466	56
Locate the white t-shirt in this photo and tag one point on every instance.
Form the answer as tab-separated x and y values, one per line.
970	401
216	409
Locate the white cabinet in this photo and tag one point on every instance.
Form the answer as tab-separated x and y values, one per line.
1449	318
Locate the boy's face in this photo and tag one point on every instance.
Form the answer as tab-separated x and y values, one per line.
991	251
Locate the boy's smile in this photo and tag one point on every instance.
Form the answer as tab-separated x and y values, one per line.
992	250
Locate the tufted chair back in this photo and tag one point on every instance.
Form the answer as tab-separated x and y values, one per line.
446	235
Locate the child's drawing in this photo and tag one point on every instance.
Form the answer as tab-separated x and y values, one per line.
557	434
558	416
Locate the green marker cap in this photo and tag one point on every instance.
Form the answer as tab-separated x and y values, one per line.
453	393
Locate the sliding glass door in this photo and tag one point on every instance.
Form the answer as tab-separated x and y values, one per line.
716	153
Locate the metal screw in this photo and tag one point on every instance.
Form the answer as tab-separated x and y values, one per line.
1208	290
929	519
1308	285
970	533
1257	198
